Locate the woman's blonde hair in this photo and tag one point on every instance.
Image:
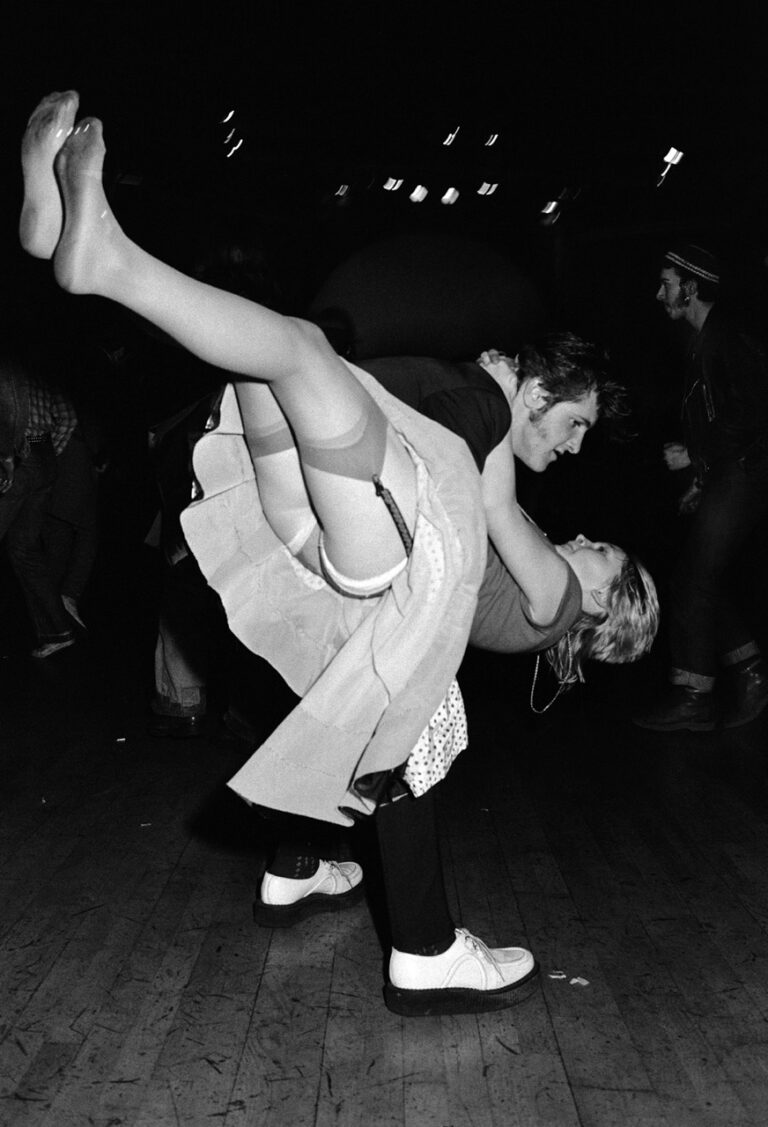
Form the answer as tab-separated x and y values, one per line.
624	632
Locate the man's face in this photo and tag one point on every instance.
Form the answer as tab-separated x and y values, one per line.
548	432
670	294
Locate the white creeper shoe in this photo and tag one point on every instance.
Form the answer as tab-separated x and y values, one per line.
283	901
467	978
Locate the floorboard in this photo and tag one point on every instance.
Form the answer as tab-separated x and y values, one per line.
136	991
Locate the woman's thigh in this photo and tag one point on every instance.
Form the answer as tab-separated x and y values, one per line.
346	444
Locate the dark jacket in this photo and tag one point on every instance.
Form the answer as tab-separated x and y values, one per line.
725	397
14	409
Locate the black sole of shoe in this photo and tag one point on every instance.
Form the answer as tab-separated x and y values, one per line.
286	915
747	718
174	732
444	1003
700	726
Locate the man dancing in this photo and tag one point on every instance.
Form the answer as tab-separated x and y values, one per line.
355	566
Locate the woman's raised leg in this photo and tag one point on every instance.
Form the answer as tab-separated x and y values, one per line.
49	126
275	458
342	436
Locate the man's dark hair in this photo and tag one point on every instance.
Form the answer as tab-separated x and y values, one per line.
570	368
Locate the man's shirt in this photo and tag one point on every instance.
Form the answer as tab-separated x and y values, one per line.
49	413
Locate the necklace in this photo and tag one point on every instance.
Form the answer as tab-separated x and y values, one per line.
563	682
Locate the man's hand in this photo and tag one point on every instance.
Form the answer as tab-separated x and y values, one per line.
689	502
497	362
7	466
676	456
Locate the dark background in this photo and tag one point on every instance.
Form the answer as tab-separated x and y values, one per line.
584	97
586	100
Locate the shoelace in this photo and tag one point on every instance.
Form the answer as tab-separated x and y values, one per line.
335	868
477	945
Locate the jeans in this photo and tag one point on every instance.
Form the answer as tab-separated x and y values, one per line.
196	656
706	621
182	648
71	532
22	512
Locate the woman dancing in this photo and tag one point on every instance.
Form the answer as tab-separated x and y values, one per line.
346	534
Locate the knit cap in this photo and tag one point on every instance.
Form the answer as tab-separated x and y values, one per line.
696	260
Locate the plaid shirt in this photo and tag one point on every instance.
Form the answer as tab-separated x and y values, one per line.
50	413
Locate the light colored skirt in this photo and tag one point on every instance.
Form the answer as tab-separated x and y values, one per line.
371	673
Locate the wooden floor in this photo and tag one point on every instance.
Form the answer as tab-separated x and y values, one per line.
135	989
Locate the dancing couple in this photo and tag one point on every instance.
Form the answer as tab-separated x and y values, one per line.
361	527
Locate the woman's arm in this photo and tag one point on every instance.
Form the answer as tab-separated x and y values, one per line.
539	571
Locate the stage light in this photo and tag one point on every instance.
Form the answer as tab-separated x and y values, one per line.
452	136
418	194
673	156
550	213
391	184
553	209
486	189
450	196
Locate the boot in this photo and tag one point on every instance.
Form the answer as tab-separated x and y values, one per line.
680	707
751	694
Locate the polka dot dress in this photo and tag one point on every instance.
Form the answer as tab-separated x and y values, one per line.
444	738
431	545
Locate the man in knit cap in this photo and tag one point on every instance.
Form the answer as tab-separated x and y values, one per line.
725	427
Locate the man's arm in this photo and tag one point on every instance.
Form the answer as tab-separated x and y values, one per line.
7	470
539	571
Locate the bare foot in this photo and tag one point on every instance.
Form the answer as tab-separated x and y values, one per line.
41	214
88	242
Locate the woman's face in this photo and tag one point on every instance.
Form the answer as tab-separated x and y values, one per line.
596	565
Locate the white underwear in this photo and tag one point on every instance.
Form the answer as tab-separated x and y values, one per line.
362	588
